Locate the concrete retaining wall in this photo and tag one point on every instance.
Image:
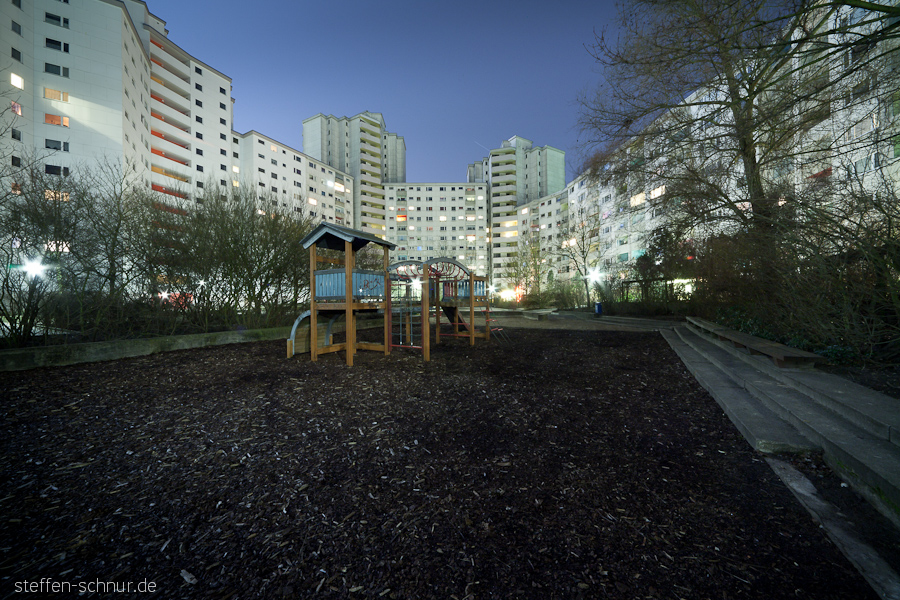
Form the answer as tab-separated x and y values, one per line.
71	354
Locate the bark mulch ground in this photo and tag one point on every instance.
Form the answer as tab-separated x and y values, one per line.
569	464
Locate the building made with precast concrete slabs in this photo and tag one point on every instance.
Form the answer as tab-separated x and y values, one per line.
362	147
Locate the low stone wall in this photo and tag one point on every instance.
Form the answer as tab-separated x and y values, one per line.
57	356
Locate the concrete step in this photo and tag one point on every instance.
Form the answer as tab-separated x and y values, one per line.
639	323
763	429
871	463
874	412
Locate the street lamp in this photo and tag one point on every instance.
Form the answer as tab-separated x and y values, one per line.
33	268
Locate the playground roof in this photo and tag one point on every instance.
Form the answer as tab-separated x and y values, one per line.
332	237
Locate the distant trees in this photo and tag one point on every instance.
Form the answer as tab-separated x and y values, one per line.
93	255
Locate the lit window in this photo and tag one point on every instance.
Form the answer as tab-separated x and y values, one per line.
17	108
56	120
236	169
17	81
52	94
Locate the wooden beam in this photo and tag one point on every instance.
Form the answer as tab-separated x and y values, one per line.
387	302
426	326
313	329
348	300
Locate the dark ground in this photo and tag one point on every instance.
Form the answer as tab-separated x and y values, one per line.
569	464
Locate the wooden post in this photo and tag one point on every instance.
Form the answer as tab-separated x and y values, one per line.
426	326
437	310
348	301
472	308
487	311
313	325
387	305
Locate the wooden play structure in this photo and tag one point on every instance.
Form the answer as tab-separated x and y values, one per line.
345	291
405	293
445	287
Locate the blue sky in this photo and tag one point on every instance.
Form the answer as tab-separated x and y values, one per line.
453	77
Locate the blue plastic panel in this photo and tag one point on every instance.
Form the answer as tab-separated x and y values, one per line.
366	284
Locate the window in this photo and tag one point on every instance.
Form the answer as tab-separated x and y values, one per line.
199	184
199	152
222	90
223	168
56	70
198	118
56	20
17	29
17	81
223	137
16	55
16	134
198	70
56	45
56	170
223	122
198	87
56	145
198	135
17	3
222	152
56	120
200	168
17	108
235	154
52	94
198	103
16	162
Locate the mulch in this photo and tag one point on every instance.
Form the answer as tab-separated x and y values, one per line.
567	464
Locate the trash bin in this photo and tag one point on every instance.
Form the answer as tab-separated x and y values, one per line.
598	309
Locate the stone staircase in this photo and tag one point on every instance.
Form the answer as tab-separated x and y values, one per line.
800	410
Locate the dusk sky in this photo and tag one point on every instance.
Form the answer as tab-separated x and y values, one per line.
453	78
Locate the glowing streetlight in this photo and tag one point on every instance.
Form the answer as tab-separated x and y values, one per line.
34	268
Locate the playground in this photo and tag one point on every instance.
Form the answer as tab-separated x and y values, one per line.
562	464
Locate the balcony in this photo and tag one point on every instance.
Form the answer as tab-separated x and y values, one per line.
167	66
155	150
169	87
174	129
172	171
166	97
366	137
169	145
372	191
169	113
503	190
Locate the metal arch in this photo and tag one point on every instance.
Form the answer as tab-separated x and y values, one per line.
447	267
411	268
443	267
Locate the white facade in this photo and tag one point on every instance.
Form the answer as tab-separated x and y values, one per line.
77	87
291	181
95	80
362	147
431	220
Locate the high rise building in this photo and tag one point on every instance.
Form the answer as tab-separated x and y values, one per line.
517	173
101	81
362	147
431	220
